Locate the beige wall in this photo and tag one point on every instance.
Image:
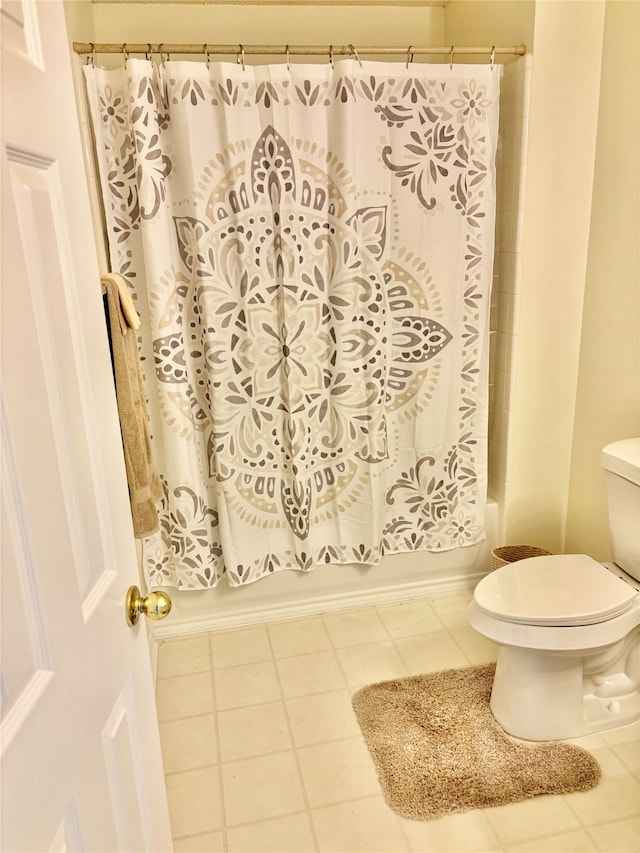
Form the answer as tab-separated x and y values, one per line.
544	199
489	22
566	350
272	24
555	235
568	360
608	389
79	17
572	239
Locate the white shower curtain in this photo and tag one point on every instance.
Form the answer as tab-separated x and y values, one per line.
310	250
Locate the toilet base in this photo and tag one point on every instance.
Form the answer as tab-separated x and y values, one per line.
542	695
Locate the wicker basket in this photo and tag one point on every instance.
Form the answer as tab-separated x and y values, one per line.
512	553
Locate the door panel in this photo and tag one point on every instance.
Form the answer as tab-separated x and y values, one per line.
124	760
45	238
81	766
25	673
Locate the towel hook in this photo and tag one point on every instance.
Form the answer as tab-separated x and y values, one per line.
354	54
409	55
240	57
451	59
493	56
331	55
286	50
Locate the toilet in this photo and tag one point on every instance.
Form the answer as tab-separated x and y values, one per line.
568	627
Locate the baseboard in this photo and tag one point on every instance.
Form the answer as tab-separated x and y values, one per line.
328	603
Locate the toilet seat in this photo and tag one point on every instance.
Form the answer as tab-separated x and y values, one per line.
562	590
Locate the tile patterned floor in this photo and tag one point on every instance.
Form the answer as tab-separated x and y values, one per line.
262	751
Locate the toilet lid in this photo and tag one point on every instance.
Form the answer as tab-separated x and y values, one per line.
560	590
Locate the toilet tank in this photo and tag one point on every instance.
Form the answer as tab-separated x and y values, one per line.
621	461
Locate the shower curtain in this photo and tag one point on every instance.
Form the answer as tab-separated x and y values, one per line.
310	249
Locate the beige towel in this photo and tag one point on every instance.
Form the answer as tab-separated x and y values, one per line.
145	489
126	302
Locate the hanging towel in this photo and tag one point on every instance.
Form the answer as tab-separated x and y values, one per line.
126	302
145	489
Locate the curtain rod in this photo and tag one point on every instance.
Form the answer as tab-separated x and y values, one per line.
292	50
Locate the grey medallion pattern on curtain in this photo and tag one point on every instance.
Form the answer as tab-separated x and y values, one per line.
311	255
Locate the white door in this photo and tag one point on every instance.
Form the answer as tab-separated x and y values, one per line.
81	766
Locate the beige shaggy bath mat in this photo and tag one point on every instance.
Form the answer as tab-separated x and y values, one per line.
438	749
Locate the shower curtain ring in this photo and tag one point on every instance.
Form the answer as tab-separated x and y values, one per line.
205	50
409	55
451	59
91	56
125	53
147	55
286	50
331	55
240	59
162	54
493	56
354	53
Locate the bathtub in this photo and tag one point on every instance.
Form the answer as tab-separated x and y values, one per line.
287	595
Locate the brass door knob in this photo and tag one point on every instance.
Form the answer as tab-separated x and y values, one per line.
155	605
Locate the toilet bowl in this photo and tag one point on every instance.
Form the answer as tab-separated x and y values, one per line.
568	627
569	637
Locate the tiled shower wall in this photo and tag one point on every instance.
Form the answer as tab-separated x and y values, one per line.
506	294
91	166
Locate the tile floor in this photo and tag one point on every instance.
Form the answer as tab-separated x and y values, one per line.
263	753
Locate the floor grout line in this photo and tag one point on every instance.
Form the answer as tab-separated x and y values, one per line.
223	816
296	756
282	700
